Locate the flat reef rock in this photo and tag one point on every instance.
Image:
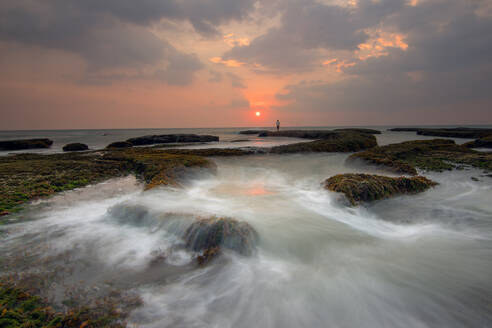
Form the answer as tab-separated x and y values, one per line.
359	188
75	147
460	132
119	144
253	131
25	144
485	142
209	235
25	177
171	138
331	142
433	155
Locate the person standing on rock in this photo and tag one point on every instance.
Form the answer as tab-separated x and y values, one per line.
278	125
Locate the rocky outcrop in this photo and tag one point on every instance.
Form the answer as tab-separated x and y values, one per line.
25	144
304	134
75	147
210	235
336	142
25	177
460	132
119	144
171	138
433	155
359	130
485	142
253	131
212	152
359	188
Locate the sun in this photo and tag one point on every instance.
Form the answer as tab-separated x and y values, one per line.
258	113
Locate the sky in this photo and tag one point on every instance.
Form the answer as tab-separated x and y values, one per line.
71	64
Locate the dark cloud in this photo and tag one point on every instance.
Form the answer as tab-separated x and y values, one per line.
447	66
114	33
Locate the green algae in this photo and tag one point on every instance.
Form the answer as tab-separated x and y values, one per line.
26	177
432	155
359	188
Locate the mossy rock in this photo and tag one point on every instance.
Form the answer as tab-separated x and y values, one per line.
336	142
75	147
19	308
120	144
359	188
432	155
25	177
209	233
485	142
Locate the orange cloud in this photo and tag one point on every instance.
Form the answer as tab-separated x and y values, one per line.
232	41
376	46
228	63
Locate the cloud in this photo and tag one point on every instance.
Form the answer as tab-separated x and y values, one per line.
307	30
116	34
443	64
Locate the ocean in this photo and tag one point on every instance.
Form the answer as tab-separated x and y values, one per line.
421	260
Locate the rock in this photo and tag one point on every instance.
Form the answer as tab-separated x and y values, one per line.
253	131
474	179
25	144
359	130
205	234
75	147
49	174
305	134
211	152
208	255
485	142
120	144
338	142
359	188
171	138
433	155
460	132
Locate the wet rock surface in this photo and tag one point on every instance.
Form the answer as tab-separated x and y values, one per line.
433	155
332	142
207	234
359	188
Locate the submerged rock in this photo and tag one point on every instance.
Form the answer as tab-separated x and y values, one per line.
433	155
336	142
25	144
485	142
367	187
207	234
171	138
120	144
75	147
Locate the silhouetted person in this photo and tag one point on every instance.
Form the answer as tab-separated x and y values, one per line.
278	125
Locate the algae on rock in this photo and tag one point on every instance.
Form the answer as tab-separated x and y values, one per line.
433	155
359	188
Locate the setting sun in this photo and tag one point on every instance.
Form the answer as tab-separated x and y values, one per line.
258	113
